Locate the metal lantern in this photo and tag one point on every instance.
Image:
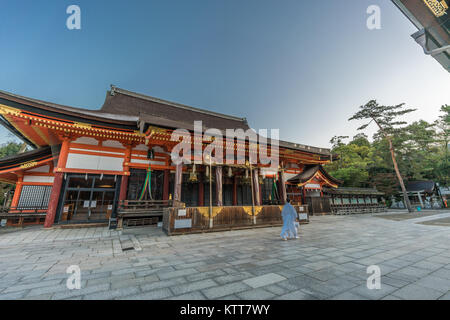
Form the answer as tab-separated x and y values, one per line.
193	175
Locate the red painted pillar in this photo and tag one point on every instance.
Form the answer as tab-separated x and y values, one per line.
178	182
17	192
256	187
219	185
282	187
235	183
126	170
304	195
123	188
166	184
201	193
57	183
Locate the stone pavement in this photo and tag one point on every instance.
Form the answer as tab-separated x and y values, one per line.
329	261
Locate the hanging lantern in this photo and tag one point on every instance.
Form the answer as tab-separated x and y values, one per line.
246	173
193	175
230	172
207	171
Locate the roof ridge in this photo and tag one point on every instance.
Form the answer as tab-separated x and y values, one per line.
115	89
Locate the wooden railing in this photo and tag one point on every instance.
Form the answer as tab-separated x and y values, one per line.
22	211
18	216
342	209
141	212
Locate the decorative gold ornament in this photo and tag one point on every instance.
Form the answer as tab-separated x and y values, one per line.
8	110
28	164
438	8
81	125
248	210
258	209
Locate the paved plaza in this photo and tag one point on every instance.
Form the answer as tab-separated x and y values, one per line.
329	261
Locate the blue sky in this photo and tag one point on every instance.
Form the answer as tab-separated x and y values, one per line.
301	66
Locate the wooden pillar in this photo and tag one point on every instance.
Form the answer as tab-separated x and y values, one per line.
166	184
201	193
178	181
126	170
57	183
282	187
418	195
219	186
256	187
235	184
17	192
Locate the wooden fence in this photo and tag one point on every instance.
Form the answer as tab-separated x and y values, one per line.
200	219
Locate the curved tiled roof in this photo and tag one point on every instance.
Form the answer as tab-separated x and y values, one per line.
120	101
309	172
16	160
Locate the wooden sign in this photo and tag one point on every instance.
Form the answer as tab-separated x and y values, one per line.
112	223
183	223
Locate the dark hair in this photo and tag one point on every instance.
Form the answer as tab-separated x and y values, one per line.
288	199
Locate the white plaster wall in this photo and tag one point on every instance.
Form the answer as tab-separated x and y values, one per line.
86	140
38	179
148	161
141	147
91	162
40	169
110	163
113	144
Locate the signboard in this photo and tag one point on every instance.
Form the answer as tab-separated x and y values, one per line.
182	212
301	209
86	204
66	209
112	223
183	223
312	186
303	216
3	222
109	206
93	203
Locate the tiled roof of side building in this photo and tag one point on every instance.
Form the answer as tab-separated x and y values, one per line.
19	158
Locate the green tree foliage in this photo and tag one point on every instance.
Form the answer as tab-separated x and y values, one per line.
421	149
8	149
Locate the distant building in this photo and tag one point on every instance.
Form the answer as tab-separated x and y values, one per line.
431	17
421	193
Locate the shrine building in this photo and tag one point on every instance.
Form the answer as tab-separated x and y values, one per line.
90	166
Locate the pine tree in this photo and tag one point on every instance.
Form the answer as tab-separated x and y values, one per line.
385	117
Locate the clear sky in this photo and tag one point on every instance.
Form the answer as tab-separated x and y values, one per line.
301	66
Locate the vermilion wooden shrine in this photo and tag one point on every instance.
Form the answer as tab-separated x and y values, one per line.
91	165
